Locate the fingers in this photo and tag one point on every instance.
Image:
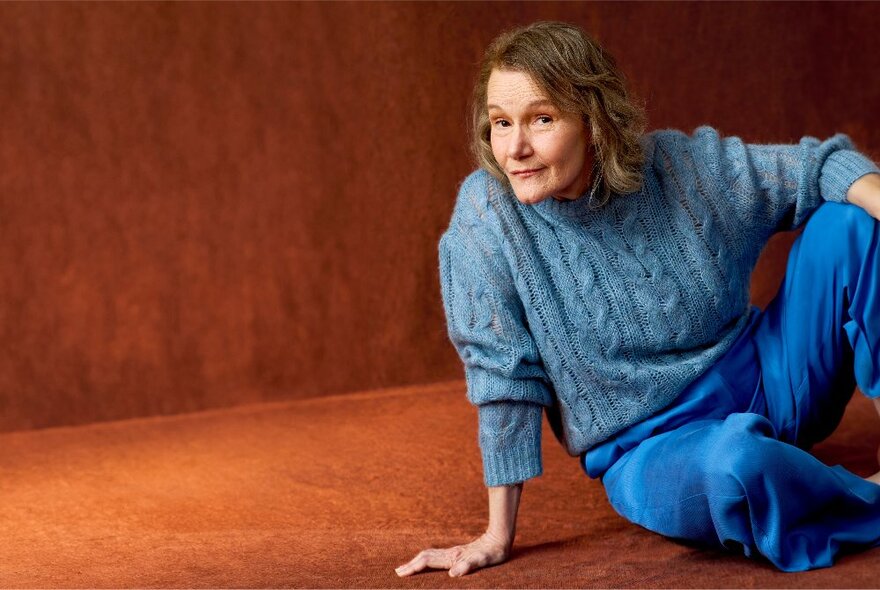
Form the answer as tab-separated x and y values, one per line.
456	559
459	569
468	563
434	558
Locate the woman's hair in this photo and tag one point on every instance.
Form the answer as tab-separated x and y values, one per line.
578	76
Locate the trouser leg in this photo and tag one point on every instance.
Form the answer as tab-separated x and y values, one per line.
821	334
730	483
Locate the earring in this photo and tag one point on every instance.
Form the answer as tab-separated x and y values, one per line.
597	180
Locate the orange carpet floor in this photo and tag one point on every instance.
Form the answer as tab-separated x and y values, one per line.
336	492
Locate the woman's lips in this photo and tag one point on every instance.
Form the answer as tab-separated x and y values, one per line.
526	173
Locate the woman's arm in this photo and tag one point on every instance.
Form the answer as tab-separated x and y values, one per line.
865	192
487	324
503	506
768	187
490	548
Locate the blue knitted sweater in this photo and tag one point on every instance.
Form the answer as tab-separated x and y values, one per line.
602	317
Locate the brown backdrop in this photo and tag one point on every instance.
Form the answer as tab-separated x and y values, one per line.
203	205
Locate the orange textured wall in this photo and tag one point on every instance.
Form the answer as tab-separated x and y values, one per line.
203	205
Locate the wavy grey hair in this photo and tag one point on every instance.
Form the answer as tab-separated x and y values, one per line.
578	76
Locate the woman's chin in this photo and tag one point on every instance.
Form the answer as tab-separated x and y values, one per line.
530	198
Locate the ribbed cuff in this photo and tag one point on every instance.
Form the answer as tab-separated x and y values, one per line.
840	170
510	442
511	465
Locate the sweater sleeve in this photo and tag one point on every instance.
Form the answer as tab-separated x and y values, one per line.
778	186
505	377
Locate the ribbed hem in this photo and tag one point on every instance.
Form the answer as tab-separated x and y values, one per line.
840	170
508	465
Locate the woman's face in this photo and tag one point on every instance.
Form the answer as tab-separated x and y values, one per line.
542	150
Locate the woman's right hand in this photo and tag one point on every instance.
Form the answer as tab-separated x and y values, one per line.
485	550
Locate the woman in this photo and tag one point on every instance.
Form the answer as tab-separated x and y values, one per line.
602	274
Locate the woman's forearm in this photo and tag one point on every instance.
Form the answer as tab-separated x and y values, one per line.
503	506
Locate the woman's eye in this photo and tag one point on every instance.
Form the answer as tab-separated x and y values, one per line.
545	119
501	123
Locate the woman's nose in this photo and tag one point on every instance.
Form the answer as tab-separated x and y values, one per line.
519	146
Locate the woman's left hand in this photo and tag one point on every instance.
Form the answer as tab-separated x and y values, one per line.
865	192
487	549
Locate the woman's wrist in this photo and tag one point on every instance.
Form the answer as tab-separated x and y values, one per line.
503	507
865	192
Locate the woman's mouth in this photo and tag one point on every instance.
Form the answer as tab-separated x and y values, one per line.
526	173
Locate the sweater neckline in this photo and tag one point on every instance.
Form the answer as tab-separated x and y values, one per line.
578	208
565	207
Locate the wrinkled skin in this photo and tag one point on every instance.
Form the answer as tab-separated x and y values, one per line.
486	550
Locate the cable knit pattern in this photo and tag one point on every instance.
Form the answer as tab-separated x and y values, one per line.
602	317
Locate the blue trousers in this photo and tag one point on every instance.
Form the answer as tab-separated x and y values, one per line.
726	464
